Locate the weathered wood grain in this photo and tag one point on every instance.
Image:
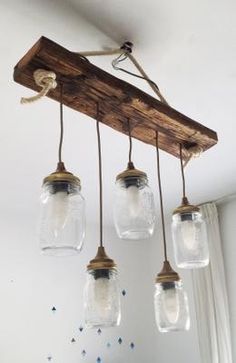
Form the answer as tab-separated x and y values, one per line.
85	85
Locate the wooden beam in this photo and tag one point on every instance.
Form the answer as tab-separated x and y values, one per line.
85	85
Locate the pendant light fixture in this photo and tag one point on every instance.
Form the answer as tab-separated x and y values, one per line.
101	293
170	300
189	232
62	221
134	211
62	218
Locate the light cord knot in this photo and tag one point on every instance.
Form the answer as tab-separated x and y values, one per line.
44	79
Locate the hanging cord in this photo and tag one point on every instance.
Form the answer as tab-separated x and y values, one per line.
100	179
124	52
130	143
182	169
161	196
127	54
61	125
44	79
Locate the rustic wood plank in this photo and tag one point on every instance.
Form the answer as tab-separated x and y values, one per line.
85	85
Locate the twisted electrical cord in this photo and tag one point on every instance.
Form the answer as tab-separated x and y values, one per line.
119	59
100	178
122	57
130	142
161	196
61	125
182	169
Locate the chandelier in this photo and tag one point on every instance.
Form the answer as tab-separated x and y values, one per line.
71	79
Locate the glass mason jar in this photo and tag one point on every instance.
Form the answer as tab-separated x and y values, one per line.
134	210
62	220
189	235
102	299
171	307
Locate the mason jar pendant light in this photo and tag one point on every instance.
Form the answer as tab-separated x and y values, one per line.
134	210
189	232
62	221
102	292
170	299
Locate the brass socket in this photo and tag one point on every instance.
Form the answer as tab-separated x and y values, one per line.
185	207
101	261
131	172
167	274
62	175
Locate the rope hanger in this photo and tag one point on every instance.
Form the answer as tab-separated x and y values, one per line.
47	81
44	79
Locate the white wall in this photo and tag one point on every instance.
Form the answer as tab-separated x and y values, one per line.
227	216
31	284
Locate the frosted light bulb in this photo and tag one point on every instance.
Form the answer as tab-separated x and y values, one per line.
101	294
133	200
171	304
133	209
62	219
189	235
170	301
59	211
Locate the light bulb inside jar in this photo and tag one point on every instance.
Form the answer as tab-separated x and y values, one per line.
133	209
62	220
102	293
102	290
170	300
133	199
189	232
59	211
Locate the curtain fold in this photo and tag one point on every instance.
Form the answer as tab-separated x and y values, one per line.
211	300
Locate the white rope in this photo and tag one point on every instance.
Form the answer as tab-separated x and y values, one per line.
127	53
44	79
101	52
192	153
124	52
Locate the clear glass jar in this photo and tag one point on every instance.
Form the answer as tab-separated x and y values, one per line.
62	220
134	210
171	307
190	240
102	299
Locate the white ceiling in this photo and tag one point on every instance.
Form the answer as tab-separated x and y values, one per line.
187	47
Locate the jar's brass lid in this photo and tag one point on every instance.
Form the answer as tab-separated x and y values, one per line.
131	172
167	274
101	261
185	207
62	175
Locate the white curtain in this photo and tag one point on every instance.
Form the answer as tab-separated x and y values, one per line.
210	295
